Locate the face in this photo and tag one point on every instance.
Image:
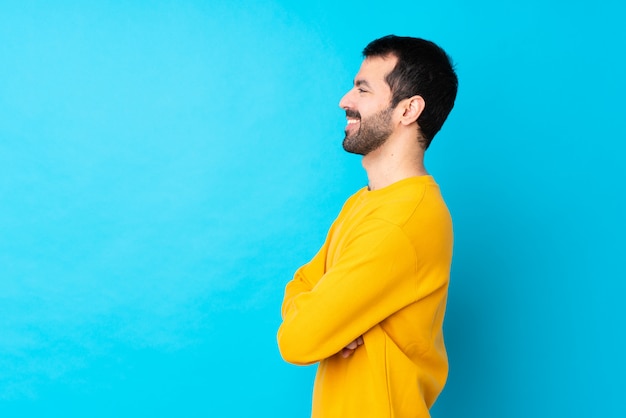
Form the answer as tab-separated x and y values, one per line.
368	114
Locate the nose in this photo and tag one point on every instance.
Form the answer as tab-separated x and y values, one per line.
345	102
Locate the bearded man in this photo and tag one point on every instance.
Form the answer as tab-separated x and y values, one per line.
369	307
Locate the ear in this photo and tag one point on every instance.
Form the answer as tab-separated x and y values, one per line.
412	109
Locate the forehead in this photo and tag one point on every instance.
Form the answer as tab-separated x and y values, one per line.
374	70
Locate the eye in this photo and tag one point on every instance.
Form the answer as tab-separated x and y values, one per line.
361	90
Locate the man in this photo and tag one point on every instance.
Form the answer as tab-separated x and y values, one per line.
369	307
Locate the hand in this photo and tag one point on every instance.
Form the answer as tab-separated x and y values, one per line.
348	350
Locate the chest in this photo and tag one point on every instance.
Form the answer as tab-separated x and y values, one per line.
346	229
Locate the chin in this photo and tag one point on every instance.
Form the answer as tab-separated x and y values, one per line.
349	146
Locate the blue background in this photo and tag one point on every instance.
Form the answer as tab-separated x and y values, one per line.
165	166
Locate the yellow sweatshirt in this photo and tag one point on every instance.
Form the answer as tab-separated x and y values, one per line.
382	273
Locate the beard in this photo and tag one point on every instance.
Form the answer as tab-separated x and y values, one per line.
372	134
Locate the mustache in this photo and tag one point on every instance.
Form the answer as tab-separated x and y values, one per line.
352	114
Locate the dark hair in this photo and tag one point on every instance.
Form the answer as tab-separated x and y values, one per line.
423	69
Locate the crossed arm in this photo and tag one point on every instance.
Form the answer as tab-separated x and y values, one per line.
327	311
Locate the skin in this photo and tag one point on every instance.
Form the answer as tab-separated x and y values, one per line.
351	348
372	131
400	155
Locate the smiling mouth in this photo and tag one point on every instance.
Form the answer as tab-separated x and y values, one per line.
353	118
351	122
352	126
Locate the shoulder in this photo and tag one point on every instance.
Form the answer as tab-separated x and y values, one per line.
409	200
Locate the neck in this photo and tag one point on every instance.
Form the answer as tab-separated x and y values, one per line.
391	163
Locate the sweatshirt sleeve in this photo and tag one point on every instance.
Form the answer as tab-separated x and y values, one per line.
374	277
303	280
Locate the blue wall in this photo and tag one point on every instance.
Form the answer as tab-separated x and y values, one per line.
165	166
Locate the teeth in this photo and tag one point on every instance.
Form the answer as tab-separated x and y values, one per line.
352	121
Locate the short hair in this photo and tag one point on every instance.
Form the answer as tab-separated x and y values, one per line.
423	69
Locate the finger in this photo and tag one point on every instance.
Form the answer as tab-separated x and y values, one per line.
354	344
346	352
359	341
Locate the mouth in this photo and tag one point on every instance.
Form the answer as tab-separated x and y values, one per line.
351	124
353	118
